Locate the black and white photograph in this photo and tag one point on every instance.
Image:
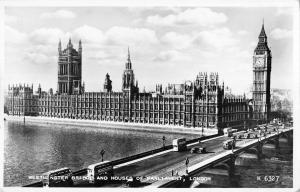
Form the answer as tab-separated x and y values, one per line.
171	95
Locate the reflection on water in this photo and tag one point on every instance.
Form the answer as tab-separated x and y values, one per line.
36	148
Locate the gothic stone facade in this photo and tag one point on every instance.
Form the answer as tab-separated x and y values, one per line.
69	69
199	103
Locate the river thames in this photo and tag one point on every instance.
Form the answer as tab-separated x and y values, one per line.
33	149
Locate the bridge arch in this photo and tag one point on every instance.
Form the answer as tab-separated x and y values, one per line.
284	135
223	166
270	141
252	150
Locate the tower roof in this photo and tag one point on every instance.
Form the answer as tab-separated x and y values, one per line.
262	41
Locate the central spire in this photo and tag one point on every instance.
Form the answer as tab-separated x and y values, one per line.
59	46
128	59
128	64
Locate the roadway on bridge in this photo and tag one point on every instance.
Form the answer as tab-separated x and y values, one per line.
162	165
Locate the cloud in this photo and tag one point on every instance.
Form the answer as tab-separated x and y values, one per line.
216	39
170	55
281	33
199	16
145	10
14	36
284	11
47	36
38	58
89	34
176	40
128	36
242	32
9	19
59	14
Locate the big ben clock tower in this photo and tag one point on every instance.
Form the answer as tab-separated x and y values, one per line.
262	59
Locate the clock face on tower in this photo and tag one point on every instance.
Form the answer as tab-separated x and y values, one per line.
259	62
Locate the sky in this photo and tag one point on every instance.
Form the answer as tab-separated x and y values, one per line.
167	44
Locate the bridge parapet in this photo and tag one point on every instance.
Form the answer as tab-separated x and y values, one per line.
227	159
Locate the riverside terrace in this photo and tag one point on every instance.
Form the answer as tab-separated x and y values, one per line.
163	162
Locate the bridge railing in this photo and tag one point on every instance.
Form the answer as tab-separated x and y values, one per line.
133	157
36	184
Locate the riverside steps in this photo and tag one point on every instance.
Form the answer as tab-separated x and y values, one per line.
164	167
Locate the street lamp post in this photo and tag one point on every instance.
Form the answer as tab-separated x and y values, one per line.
186	165
102	154
164	141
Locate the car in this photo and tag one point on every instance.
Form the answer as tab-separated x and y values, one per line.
195	150
246	136
198	150
239	136
203	150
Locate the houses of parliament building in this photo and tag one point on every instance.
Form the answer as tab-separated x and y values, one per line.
202	102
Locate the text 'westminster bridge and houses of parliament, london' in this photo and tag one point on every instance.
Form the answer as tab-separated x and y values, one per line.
202	102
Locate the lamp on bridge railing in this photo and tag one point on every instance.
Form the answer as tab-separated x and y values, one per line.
259	135
164	141
259	139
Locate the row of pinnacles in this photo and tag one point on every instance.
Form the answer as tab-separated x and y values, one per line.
19	89
26	90
202	82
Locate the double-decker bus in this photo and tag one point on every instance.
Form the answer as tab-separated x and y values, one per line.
58	178
100	172
229	144
179	144
228	131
